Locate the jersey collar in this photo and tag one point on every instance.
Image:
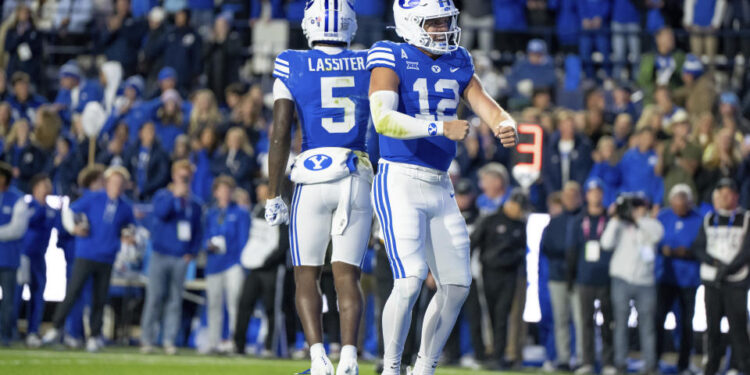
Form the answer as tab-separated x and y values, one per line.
329	50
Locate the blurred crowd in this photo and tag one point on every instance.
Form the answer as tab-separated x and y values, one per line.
643	107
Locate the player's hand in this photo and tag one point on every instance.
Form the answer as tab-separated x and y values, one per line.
276	212
507	136
456	130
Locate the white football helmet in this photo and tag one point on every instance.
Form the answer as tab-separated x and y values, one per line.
410	17
329	21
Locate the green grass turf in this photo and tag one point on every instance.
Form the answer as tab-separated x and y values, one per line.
129	361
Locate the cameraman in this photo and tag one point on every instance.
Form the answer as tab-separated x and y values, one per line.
633	236
724	251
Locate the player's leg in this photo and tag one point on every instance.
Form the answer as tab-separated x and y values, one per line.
309	230
348	253
403	225
447	253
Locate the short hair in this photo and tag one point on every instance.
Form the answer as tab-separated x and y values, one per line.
89	174
497	170
604	140
117	169
37	179
183	164
572	185
236	89
19	76
223	180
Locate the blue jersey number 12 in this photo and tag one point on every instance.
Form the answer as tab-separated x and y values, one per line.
442	85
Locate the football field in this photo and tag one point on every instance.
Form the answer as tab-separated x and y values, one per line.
129	361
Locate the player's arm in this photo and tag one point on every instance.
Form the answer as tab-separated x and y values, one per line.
278	153
502	125
390	122
281	142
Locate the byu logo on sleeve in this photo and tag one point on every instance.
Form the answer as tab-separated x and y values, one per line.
318	162
432	129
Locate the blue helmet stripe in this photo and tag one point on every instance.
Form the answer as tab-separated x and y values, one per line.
326	11
335	16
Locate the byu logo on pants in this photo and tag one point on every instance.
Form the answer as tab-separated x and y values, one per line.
318	162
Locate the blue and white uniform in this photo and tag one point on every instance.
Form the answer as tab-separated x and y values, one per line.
412	193
331	199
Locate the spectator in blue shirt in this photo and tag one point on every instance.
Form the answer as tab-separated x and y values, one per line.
23	44
510	23
605	169
148	163
91	178
703	18
594	16
101	221
181	49
62	167
227	229
567	24
626	40
588	268
176	239
236	160
204	151
637	168
13	224
494	182
677	269
567	156
171	119
26	158
75	92
557	241
122	36
537	67
23	102
35	243
371	22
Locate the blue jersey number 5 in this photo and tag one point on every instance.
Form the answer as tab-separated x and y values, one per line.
327	100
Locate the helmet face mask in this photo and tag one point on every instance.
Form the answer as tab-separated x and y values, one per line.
329	21
414	18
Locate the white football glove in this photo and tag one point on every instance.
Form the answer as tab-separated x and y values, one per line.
276	212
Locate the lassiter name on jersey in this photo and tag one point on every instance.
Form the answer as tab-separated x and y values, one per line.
328	64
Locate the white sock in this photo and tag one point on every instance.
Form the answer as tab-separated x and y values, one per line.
349	352
396	321
317	350
439	319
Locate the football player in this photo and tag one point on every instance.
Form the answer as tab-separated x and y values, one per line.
415	89
331	201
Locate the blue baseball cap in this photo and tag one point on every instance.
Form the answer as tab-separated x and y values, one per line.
729	97
136	83
536	46
70	70
593	183
692	65
167	72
